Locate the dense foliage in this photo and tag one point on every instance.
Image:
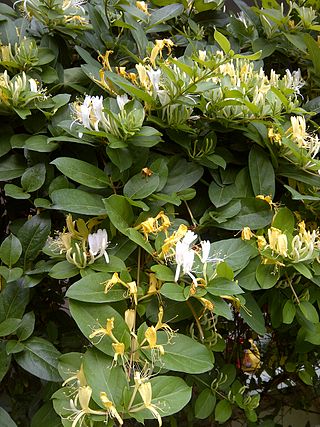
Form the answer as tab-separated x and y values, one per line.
160	243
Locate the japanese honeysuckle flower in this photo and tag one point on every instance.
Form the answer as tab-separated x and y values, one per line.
205	250
202	55
158	48
145	391
122	100
106	331
278	241
98	243
118	348
298	129
83	398
111	409
142	6
294	80
304	244
151	337
184	258
154	77
189	238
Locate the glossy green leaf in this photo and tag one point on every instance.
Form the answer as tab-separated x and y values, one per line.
77	201
91	289
10	274
11	167
82	172
6	420
63	270
40	358
140	186
10	250
184	354
252	315
223	411
40	143
288	312
26	326
8	326
33	178
13	301
5	360
205	403
222	41
46	416
173	291
267	276
16	192
90	317
165	13
309	311
33	236
261	172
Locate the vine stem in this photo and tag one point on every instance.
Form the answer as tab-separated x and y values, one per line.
196	319
293	291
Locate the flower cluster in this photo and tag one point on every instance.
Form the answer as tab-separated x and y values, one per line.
22	56
80	246
65	13
304	246
118	118
19	92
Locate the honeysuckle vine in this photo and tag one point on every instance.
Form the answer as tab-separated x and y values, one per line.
159	255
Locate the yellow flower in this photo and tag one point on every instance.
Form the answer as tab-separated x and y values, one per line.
83	398
145	391
130	319
104	59
151	337
172	240
278	241
142	6
101	332
154	284
154	225
111	409
108	284
119	349
251	358
158	48
246	233
274	136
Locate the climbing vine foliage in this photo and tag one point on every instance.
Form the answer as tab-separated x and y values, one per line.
160	250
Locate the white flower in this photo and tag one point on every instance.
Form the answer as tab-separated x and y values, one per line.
98	243
205	250
154	77
294	81
184	258
33	85
122	100
189	238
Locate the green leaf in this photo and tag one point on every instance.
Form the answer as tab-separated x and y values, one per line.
40	143
77	201
5	360
220	286
90	317
173	291
33	178
16	192
91	289
184	354
11	167
261	172
33	236
102	375
163	273
247	278
225	271
306	377
284	220
235	252
40	358
11	274
309	311
222	41
8	326
170	393
63	270
303	269
220	195
313	50
254	213
82	172
223	411
140	187
121	215
6	420
267	276
10	250
26	326
182	175
165	13
13	301
46	416
288	312
253	315
205	403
